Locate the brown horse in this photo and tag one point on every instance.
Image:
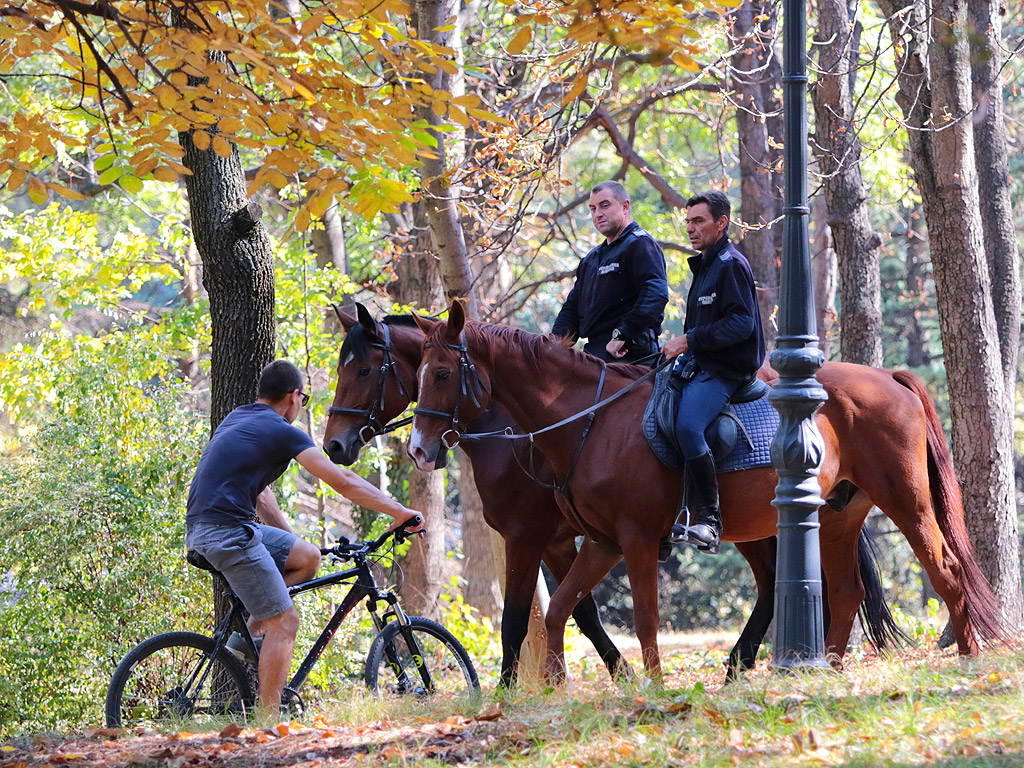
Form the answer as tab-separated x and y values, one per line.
884	446
376	382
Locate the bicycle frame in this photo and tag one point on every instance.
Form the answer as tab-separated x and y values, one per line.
364	588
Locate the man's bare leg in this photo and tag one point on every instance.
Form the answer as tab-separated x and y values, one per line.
275	661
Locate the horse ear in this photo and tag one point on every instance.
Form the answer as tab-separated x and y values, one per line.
425	323
366	319
456	321
346	320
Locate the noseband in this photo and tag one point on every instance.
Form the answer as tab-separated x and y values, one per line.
374	424
469	385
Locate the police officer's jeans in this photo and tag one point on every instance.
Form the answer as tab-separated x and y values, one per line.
701	401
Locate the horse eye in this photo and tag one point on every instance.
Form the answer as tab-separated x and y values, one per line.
443	374
364	371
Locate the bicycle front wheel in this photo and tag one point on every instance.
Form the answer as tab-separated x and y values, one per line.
175	677
419	659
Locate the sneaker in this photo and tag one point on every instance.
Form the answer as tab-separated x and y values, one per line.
241	649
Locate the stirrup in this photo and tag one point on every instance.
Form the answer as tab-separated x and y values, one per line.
689	535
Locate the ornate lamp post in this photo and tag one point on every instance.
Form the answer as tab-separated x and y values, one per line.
798	448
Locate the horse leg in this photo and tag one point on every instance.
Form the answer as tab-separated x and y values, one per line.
641	553
840	537
760	555
915	519
559	557
522	564
590	566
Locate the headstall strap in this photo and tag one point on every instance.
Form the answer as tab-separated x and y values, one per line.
371	413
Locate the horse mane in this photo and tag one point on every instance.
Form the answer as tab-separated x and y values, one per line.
402	321
534	344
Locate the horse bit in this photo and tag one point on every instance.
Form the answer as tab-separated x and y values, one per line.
372	413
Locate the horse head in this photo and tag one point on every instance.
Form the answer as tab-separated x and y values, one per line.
451	391
375	382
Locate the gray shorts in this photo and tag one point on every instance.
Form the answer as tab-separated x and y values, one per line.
251	557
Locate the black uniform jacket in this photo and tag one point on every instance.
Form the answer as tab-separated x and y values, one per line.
723	322
618	285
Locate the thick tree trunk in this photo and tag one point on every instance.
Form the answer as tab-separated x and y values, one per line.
857	246
238	275
935	96
760	203
986	26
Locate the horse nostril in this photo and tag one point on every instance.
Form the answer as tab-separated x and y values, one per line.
333	447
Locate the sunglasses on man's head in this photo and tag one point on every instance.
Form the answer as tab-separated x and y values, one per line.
305	398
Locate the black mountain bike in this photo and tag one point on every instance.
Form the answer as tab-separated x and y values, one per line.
184	675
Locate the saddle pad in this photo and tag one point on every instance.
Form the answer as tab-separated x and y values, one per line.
759	418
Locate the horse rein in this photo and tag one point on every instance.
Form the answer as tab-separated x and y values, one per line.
374	425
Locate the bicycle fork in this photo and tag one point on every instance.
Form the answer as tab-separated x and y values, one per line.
391	650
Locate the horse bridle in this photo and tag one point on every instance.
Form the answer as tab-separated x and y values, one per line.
469	384
372	413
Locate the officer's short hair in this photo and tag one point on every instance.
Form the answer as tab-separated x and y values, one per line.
618	191
277	380
717	203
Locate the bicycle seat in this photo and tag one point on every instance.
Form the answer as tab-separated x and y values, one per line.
195	559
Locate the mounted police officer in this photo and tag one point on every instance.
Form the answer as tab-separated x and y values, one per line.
720	351
618	300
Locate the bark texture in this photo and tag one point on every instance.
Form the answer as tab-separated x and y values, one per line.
238	275
760	197
857	246
823	275
424	564
985	33
935	96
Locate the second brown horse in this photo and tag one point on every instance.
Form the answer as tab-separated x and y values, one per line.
883	445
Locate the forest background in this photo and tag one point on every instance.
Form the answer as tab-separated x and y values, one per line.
190	186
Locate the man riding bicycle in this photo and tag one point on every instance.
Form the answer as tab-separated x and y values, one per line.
230	491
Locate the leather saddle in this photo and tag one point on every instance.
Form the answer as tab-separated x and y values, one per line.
723	433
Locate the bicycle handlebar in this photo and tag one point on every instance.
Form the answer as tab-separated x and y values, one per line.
347	550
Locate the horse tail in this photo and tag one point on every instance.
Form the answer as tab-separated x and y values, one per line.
875	615
983	609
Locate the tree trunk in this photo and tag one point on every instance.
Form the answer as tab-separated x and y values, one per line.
424	565
760	204
238	275
823	275
857	246
935	92
484	594
442	215
918	353
986	26
417	284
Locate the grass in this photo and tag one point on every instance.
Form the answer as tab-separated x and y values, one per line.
910	709
916	708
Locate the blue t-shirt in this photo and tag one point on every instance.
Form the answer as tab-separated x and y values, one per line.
251	448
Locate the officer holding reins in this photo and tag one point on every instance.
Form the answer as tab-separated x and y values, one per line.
618	300
721	349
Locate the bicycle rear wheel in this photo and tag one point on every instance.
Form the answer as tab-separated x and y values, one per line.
421	659
175	677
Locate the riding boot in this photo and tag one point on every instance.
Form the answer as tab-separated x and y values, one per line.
703	529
